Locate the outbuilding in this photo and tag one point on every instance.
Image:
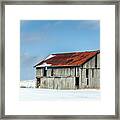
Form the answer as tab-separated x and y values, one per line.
75	70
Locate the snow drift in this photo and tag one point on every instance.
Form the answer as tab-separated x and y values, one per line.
36	94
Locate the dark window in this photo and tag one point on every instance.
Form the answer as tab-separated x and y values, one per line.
82	66
87	81
87	76
96	61
38	82
86	73
52	72
77	82
92	73
44	71
77	71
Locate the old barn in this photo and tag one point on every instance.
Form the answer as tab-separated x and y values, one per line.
76	70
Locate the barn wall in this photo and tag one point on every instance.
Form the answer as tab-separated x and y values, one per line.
57	72
57	83
91	62
98	60
62	72
93	81
39	72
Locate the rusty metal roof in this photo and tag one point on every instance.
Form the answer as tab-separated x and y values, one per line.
68	59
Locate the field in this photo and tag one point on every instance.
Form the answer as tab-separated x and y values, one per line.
34	94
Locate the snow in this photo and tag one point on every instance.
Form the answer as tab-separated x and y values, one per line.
44	65
50	56
37	94
27	83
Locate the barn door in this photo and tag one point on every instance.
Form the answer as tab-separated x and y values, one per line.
38	82
77	82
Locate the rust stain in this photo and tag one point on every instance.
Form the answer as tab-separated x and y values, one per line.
70	59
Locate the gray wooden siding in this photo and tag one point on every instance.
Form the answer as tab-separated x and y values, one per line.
91	62
39	72
57	72
57	83
98	60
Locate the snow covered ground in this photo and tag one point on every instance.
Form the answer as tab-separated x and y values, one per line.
36	94
27	83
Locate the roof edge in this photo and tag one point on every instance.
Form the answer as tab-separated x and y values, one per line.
75	52
98	51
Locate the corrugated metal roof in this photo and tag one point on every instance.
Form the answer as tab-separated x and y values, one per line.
68	59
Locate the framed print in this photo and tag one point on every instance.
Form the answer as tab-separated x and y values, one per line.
60	60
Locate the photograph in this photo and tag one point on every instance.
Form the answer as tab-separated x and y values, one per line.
59	60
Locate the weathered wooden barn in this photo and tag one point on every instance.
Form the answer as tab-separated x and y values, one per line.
76	70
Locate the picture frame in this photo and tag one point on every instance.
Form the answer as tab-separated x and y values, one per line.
70	2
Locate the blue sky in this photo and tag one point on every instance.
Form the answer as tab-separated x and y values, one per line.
39	38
